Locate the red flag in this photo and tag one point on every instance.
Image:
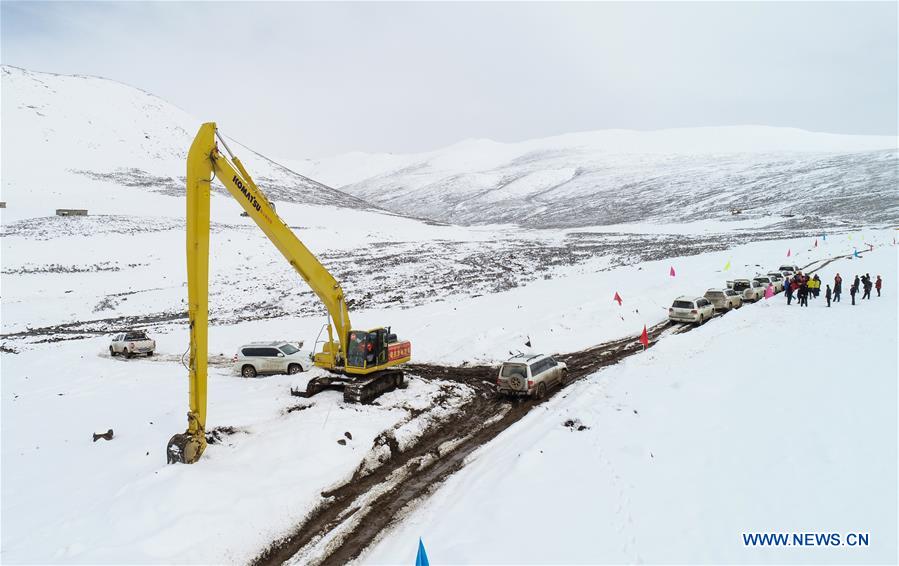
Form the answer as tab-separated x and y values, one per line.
671	272
816	242
644	338
789	253
617	298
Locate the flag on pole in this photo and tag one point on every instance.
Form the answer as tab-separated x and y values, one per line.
617	298
855	252
789	253
671	271
824	237
421	559
644	338
816	242
727	265
528	343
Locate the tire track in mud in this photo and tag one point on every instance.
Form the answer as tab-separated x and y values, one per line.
355	513
351	518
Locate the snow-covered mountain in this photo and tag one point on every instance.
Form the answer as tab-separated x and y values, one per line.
87	142
615	176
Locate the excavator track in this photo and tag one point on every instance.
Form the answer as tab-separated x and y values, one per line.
366	389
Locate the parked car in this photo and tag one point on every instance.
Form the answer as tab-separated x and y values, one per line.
778	281
691	309
749	292
787	270
737	298
131	343
530	375
269	358
765	280
722	301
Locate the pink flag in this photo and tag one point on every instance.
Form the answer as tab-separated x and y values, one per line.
671	272
789	253
644	338
617	298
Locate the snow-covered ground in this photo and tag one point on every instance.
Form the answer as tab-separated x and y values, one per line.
118	501
772	419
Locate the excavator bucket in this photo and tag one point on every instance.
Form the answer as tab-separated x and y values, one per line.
185	448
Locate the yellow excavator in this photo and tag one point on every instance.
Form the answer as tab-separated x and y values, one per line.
361	362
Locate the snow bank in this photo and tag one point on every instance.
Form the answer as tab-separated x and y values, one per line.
770	419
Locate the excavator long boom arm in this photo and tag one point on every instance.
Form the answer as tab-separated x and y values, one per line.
203	162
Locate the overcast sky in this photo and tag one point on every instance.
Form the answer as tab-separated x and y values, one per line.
313	79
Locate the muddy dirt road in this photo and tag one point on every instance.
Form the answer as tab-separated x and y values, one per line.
354	514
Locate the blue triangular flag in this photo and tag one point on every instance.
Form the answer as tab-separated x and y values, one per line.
422	558
824	237
855	253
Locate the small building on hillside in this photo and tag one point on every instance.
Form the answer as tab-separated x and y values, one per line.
71	212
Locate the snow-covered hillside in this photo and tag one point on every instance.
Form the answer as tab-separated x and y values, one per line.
614	176
88	142
773	419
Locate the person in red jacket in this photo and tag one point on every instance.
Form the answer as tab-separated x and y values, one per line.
878	284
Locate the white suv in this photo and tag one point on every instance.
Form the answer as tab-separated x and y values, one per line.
267	358
531	375
688	309
132	343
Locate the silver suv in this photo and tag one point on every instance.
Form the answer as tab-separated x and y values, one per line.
530	375
268	358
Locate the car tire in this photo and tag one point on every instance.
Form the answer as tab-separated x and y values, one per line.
112	353
540	393
128	353
248	371
563	379
701	320
294	369
150	353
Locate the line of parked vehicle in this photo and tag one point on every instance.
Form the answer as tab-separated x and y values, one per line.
697	310
522	375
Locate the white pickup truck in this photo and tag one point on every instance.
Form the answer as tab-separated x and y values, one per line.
131	343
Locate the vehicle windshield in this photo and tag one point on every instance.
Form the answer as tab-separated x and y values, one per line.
683	304
136	336
730	292
714	295
513	369
288	349
741	286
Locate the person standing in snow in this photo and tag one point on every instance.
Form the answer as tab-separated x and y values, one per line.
803	294
788	290
817	285
878	284
827	295
853	289
769	291
867	286
837	288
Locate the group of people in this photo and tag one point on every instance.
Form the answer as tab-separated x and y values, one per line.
804	286
864	284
